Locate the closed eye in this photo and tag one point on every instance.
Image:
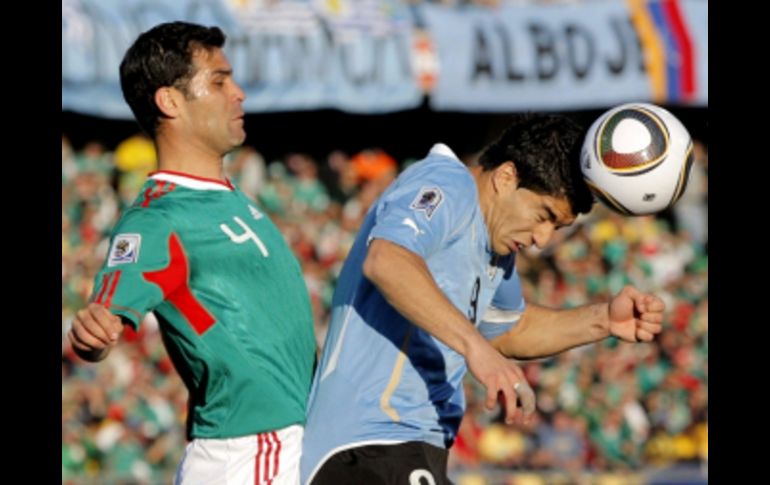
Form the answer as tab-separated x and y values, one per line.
551	216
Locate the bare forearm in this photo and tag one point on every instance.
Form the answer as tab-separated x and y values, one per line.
405	281
542	331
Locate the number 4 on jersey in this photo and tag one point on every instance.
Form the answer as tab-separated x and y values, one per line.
245	236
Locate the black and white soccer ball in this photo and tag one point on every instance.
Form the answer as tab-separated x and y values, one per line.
636	158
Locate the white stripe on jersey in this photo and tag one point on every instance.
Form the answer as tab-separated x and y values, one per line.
189	182
497	315
338	346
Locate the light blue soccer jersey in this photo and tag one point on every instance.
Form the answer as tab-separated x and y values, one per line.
382	379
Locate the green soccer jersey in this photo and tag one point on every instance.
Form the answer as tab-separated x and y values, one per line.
230	297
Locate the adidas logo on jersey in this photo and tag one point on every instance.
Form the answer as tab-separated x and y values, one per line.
255	213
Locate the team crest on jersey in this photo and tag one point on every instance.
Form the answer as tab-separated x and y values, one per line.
255	213
428	200
125	249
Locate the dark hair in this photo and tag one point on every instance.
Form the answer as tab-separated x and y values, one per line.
160	57
546	152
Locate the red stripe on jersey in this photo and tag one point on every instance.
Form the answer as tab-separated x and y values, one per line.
147	198
267	457
174	282
277	453
257	458
160	190
112	289
105	284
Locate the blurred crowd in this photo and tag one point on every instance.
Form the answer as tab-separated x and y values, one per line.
610	406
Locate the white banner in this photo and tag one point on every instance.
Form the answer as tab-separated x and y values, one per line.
569	56
286	55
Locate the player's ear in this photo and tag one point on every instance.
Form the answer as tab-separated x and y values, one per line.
505	177
166	98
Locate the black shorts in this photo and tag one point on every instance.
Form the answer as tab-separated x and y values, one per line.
410	463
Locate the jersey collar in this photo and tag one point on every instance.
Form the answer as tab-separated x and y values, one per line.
191	181
442	149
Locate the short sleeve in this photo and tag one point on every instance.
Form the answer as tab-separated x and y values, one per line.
428	207
137	272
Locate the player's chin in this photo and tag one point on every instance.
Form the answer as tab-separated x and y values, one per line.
503	250
238	137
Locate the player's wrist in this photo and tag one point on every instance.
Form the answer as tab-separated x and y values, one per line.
93	355
601	325
472	344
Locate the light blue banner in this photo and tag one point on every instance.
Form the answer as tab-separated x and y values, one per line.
286	55
569	56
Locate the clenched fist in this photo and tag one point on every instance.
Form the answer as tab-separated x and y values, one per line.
94	332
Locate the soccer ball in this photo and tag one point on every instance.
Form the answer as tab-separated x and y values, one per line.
636	158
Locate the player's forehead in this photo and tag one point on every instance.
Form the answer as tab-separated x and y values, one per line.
208	61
